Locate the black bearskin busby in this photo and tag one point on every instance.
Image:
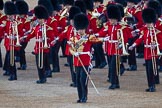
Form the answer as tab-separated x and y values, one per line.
81	4
47	4
101	1
81	21
149	15
1	4
41	12
22	7
122	2
121	8
155	5
73	11
56	5
89	4
133	1
68	2
10	8
113	12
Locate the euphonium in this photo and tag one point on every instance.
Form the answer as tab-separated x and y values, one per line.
121	38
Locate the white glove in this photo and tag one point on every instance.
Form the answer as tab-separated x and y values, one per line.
69	42
106	39
76	54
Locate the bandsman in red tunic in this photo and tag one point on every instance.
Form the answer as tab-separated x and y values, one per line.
119	34
69	33
23	27
97	17
3	17
43	34
152	38
11	40
81	47
157	7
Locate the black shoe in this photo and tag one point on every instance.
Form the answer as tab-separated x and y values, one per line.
66	64
102	65
83	100
49	76
55	70
63	56
41	81
132	68
12	78
108	80
160	69
33	53
150	89
95	66
114	86
6	73
48	73
79	101
23	67
73	85
140	55
122	70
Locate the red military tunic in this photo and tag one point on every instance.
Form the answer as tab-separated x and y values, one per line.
2	19
67	34
111	30
37	33
83	47
137	13
146	38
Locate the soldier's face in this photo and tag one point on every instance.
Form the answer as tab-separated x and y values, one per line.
96	4
81	32
40	21
130	4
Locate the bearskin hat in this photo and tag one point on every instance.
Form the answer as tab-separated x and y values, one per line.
41	12
122	2
47	4
149	15
73	11
81	21
101	1
10	8
113	12
1	4
89	4
55	5
155	5
22	7
68	2
121	8
60	1
81	4
133	1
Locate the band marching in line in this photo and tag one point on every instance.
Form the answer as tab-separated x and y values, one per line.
81	28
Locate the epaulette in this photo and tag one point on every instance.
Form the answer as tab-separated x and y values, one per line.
49	27
27	20
157	31
61	17
2	15
53	19
137	10
4	22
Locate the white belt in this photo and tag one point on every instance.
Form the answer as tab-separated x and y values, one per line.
11	37
88	53
39	40
149	46
113	41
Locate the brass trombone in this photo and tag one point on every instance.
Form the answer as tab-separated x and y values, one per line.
42	45
154	42
12	34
